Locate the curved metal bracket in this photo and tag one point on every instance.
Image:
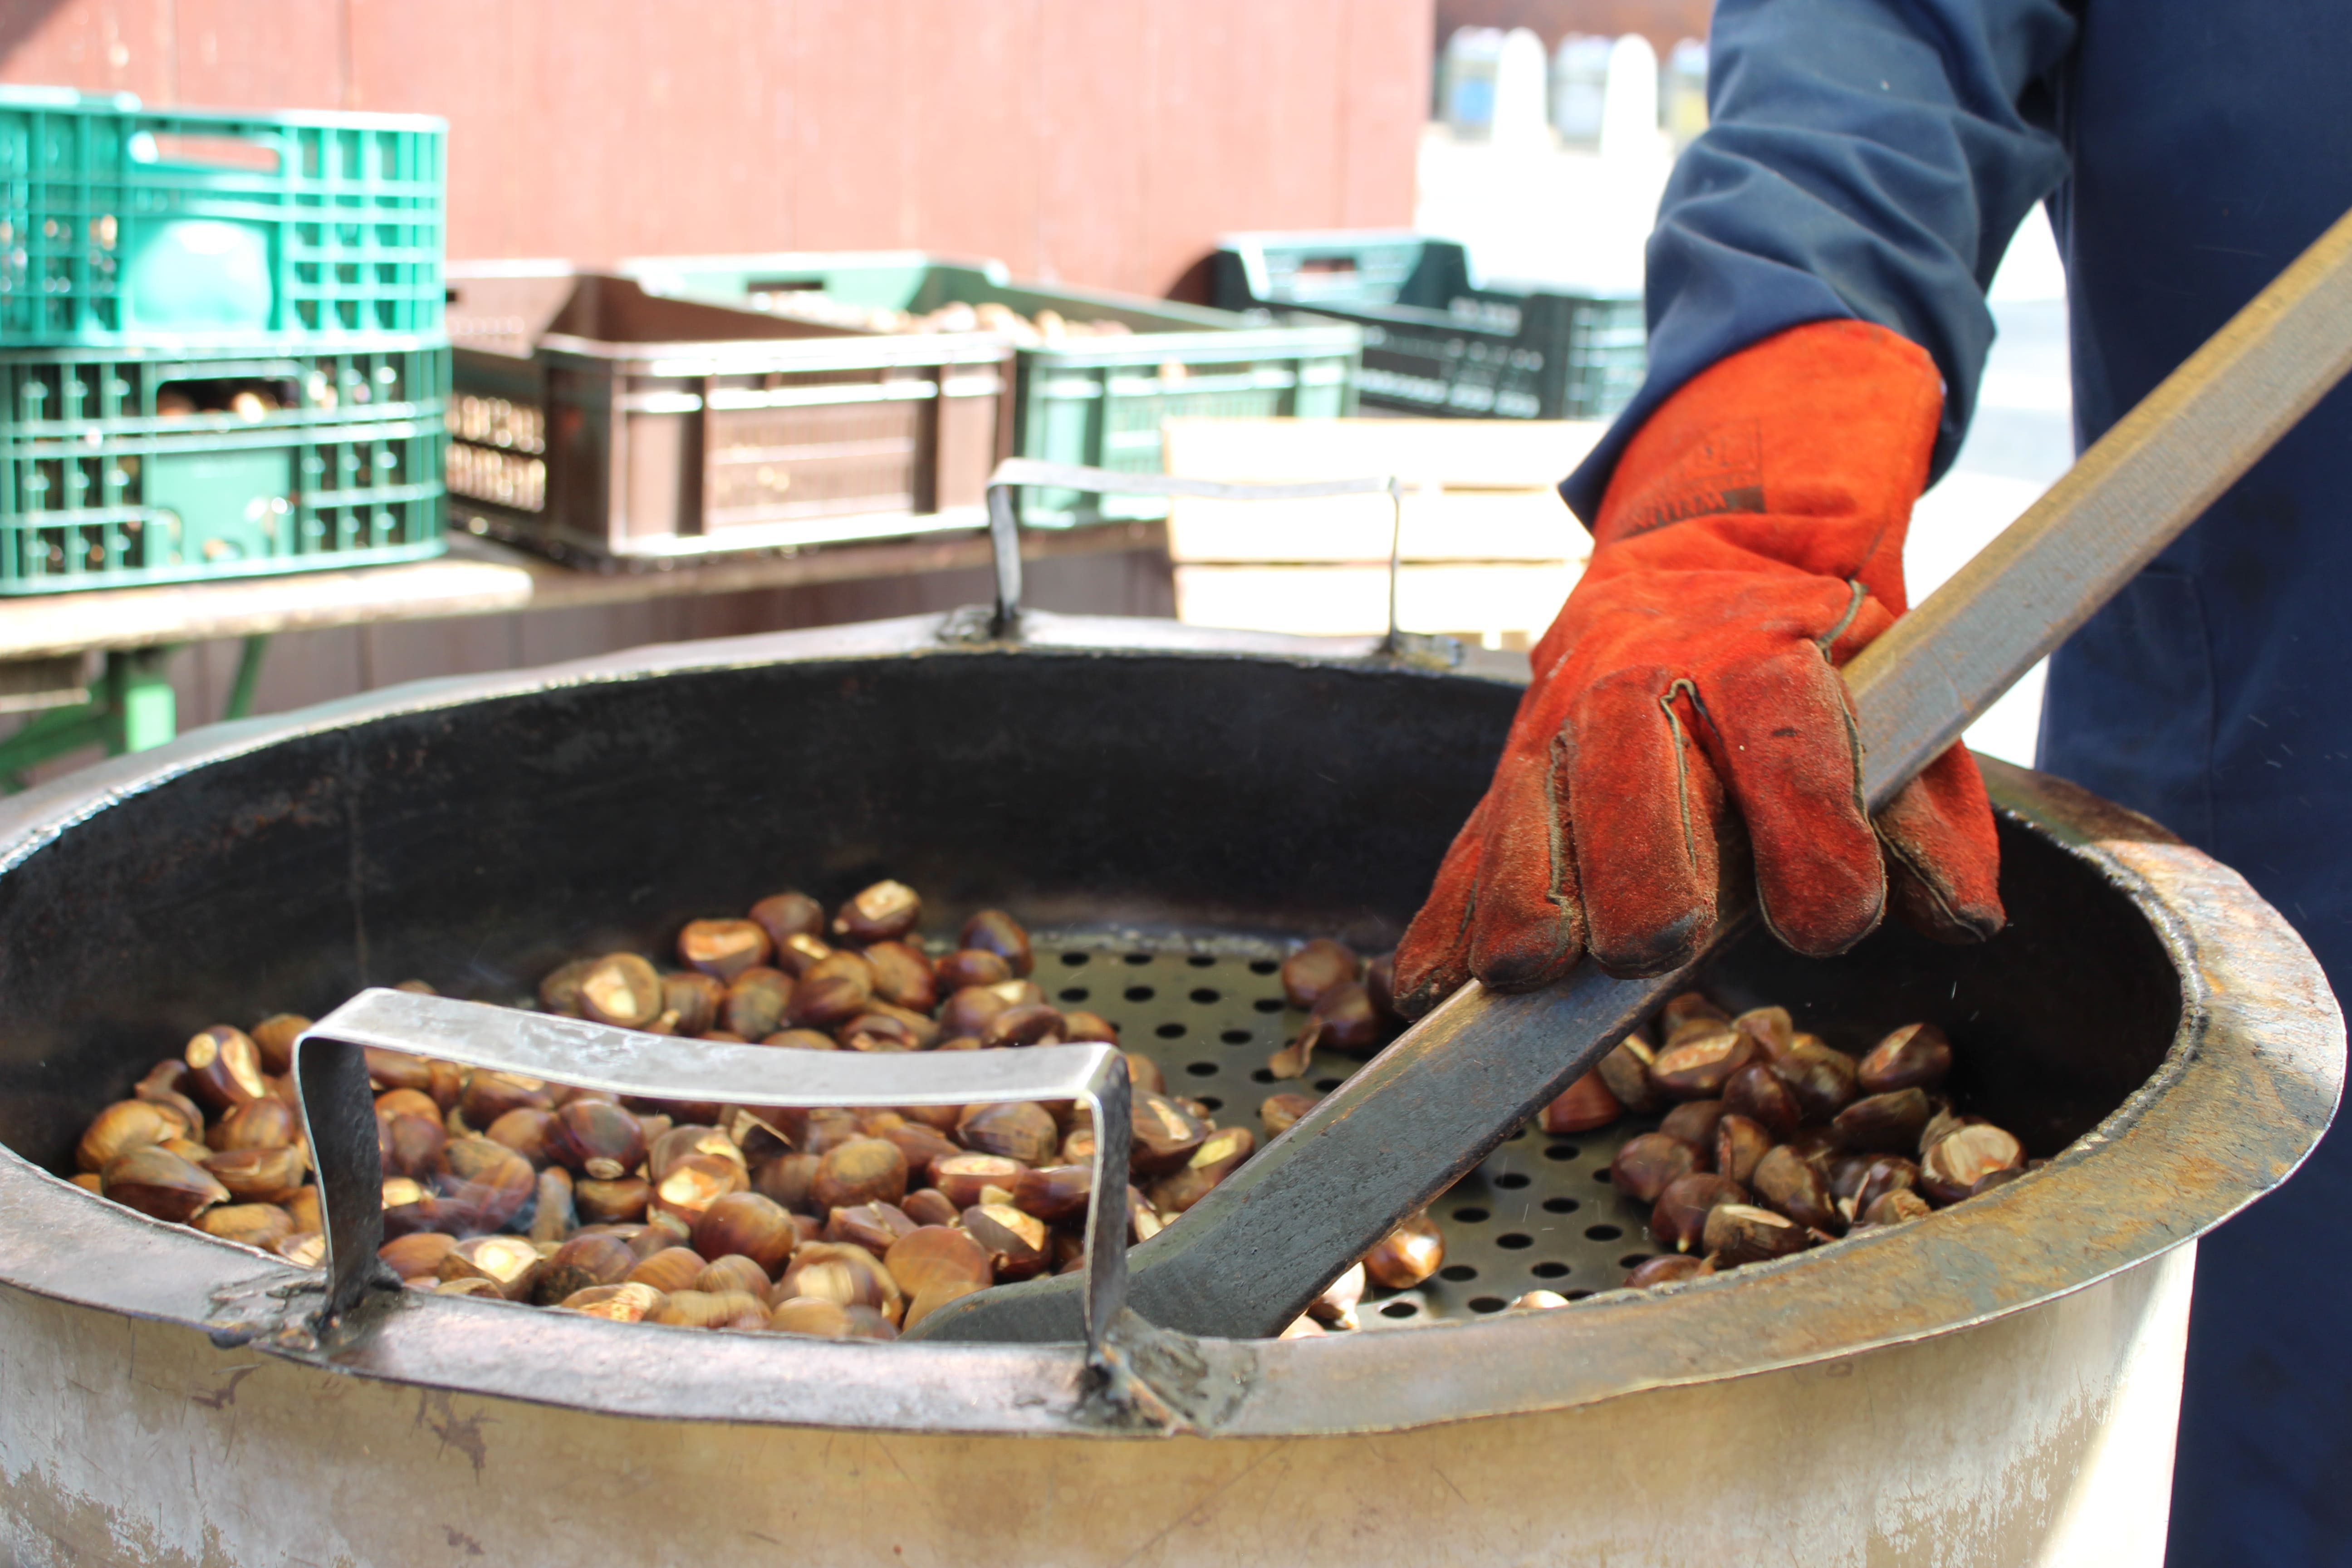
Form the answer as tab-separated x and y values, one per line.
339	1109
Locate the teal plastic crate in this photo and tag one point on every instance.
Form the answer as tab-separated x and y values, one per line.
125	466
1096	401
1434	342
124	225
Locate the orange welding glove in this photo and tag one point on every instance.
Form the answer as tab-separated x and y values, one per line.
1750	542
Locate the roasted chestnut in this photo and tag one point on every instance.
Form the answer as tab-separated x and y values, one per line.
623	990
1647	1163
1626	1072
758	1001
1054	1193
1822	1079
1769	1028
1671	1269
125	1125
1756	1092
1582	1106
1218	1156
862	1171
596	1138
749	1225
1701	1060
1883	1123
785	915
993	931
1017	1130
274	1038
1014	1241
1739	1144
1678	1218
1917	1056
1694	1122
935	1255
968	1180
971	967
1742	1232
1785	1183
903	977
873	1227
1955	1163
1316	967
1407	1255
723	949
1165	1135
882	912
1276	1112
224	1069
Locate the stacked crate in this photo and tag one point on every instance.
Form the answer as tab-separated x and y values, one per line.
221	345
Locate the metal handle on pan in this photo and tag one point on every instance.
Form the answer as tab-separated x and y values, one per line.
1004	525
339	1108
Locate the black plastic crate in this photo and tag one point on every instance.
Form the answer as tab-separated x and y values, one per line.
1434	343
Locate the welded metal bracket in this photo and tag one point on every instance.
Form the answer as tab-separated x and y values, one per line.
1004	531
339	1113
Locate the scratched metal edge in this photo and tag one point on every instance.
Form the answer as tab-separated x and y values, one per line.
2250	1082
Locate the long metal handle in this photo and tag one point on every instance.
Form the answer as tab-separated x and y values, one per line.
339	1109
1250	1256
1004	523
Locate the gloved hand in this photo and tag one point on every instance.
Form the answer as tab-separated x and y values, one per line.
1750	541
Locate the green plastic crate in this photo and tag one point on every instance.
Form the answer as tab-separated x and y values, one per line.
125	466
1097	401
123	224
1433	343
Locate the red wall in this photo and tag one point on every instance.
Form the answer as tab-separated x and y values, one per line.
1099	141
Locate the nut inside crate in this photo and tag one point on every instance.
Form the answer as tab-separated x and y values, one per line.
120	467
592	418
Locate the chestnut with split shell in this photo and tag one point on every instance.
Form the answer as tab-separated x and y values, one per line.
1699	1066
882	912
1652	1272
723	949
623	990
1742	1232
1917	1056
1956	1162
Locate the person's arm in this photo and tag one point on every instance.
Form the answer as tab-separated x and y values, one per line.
1818	324
1866	160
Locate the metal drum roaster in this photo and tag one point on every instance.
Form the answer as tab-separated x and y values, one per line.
1168	807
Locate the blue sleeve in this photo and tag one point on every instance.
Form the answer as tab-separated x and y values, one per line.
1865	159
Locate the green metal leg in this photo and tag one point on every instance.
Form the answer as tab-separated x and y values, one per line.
141	709
248	675
131	708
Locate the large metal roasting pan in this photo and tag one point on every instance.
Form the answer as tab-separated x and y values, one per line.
2146	1022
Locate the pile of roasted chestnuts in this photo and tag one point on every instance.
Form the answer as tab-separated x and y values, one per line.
833	1223
1770	1142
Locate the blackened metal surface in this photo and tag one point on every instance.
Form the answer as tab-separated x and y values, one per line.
479	846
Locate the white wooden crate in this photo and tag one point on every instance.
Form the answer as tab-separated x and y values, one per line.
1489	547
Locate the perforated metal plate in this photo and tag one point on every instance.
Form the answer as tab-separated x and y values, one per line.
1540	1214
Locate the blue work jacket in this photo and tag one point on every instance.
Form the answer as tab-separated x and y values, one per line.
1872	159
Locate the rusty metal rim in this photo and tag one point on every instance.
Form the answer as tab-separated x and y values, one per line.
2248	1084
